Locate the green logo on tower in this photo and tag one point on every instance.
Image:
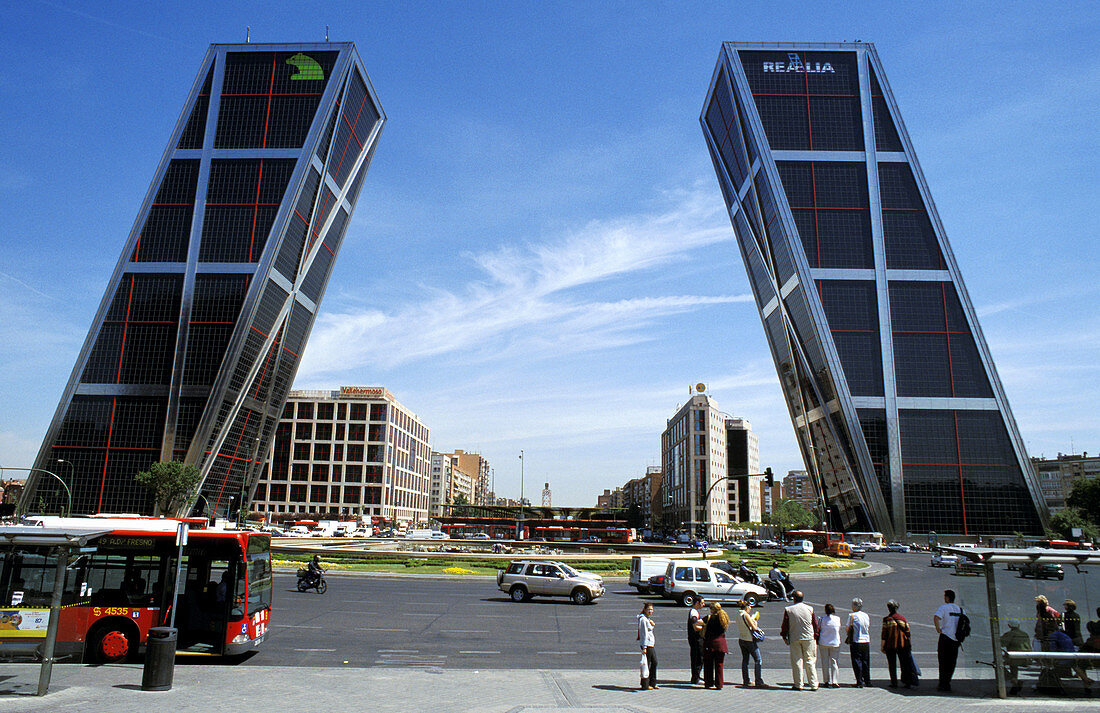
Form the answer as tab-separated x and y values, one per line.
307	67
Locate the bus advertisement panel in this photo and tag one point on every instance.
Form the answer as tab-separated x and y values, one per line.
121	586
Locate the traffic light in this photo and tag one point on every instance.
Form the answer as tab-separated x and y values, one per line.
768	477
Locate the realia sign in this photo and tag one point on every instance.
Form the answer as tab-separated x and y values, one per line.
794	63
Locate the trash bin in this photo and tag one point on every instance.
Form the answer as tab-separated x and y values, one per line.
160	659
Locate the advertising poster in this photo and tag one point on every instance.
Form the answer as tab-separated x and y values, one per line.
27	623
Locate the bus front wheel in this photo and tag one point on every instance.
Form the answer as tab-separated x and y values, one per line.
112	643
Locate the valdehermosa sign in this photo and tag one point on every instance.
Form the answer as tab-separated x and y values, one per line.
795	64
372	391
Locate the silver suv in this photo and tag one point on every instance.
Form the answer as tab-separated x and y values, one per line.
528	578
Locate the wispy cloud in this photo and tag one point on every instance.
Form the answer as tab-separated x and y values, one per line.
536	295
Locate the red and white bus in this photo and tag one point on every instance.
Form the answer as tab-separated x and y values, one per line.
120	586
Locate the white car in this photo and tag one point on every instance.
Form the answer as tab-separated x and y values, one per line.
687	580
944	559
478	536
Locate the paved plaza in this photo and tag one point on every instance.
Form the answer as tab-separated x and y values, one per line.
420	687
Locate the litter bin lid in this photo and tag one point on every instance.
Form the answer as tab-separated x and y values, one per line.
162	632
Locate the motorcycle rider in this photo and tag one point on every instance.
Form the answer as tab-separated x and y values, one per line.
779	582
747	574
315	570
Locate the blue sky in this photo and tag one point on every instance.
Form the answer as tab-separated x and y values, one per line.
541	259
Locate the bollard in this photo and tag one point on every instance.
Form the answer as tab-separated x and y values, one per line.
160	659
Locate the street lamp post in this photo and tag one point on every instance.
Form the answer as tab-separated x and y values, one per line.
519	525
43	470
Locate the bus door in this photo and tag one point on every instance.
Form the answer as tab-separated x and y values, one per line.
213	583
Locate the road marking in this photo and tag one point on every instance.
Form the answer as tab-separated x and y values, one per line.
372	628
463	631
298	626
481	653
627	653
398	651
322	650
555	653
541	631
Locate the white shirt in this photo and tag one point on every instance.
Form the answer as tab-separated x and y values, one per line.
645	631
948	623
830	630
861	627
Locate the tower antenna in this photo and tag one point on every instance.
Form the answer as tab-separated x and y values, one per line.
247	34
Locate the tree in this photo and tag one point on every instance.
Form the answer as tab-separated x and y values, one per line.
1062	524
790	515
173	485
461	506
1084	496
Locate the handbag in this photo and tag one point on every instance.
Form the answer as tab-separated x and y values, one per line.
758	635
643	666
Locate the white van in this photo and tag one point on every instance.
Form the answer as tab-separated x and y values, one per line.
799	547
644	567
427	535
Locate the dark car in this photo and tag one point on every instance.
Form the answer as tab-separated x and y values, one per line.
1042	571
657	584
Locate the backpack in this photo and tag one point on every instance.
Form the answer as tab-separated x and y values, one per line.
962	627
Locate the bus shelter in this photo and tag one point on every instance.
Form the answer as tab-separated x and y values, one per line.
1059	575
30	610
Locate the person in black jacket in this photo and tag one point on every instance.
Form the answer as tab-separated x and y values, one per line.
695	627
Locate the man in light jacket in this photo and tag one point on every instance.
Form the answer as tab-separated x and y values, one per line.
799	631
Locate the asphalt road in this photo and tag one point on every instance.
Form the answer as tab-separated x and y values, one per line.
366	621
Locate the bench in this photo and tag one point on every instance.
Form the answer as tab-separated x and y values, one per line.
29	650
1053	665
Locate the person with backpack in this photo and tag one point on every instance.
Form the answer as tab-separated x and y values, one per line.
953	626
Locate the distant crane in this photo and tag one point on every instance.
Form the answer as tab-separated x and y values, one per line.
546	495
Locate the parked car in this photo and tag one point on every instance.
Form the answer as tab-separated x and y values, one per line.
739	546
799	547
944	559
657	584
896	547
524	579
478	536
1042	571
644	567
687	580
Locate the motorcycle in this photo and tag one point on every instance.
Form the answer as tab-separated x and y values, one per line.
747	574
310	580
780	589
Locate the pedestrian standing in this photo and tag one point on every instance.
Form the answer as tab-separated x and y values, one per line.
695	627
828	647
748	633
946	620
1047	621
897	644
714	646
859	643
648	644
799	631
1071	622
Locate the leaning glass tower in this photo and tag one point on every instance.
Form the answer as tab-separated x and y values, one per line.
896	404
198	337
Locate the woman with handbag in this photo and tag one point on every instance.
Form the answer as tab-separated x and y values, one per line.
749	636
828	647
898	646
714	646
648	663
